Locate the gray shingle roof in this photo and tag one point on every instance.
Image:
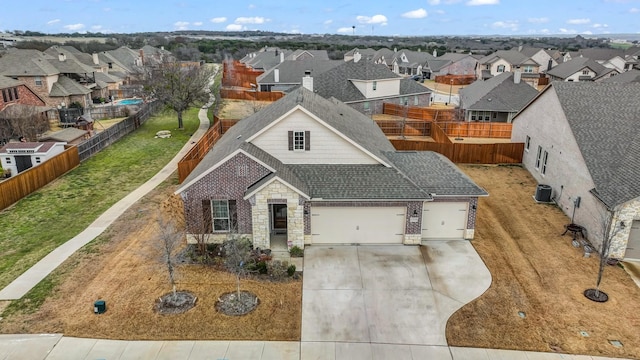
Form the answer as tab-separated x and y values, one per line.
434	173
604	120
575	65
292	71
26	62
498	93
626	77
335	82
513	57
342	181
66	86
6	82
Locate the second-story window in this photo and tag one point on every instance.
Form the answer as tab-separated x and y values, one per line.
38	81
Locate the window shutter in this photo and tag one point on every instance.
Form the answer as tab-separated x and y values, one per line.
207	221
307	140
290	140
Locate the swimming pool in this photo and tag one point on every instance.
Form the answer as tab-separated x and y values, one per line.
130	102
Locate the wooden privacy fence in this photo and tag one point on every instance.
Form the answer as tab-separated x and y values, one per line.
455	79
28	181
420	113
250	95
499	153
405	127
477	129
238	74
94	144
198	152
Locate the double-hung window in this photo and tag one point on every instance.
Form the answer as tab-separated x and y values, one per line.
539	157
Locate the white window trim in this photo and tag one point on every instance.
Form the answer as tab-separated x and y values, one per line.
214	218
527	143
539	157
297	145
545	157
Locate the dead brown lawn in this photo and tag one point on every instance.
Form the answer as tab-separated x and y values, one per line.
240	109
124	268
539	272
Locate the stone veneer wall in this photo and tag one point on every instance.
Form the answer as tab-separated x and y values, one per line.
629	212
277	192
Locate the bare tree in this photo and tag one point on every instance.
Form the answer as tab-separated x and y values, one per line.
23	120
237	257
610	228
170	240
178	85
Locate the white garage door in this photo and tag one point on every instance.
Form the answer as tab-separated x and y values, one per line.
357	225
633	246
444	220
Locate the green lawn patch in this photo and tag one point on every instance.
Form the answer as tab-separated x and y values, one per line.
42	221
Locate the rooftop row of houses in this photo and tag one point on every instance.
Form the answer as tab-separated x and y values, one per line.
283	69
62	75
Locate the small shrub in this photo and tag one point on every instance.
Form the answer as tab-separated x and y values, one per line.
261	267
291	270
296	251
278	269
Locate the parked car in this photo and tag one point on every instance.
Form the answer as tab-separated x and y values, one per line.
417	78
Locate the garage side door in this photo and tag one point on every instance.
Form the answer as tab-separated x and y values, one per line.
357	225
444	220
633	245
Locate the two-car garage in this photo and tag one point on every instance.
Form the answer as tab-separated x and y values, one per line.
385	225
357	225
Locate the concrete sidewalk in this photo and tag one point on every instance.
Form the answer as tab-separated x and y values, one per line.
44	267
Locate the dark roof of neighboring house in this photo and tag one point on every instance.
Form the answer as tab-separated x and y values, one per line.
315	54
336	181
513	57
336	82
575	65
604	120
434	173
26	62
72	53
66	86
6	82
437	64
601	53
292	71
625	77
40	147
530	51
265	60
498	93
66	135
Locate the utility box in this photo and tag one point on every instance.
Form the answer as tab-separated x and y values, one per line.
99	307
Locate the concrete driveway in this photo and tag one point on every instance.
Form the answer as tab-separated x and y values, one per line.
386	295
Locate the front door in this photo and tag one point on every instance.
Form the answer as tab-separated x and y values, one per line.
23	163
279	218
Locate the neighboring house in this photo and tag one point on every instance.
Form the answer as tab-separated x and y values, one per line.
545	57
626	77
407	62
610	58
15	92
20	156
365	86
581	138
450	64
356	54
509	61
581	69
497	99
288	74
383	56
56	80
307	170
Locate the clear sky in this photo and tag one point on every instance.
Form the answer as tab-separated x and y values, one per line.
389	17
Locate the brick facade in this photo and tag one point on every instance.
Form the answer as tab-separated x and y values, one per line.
25	97
229	182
